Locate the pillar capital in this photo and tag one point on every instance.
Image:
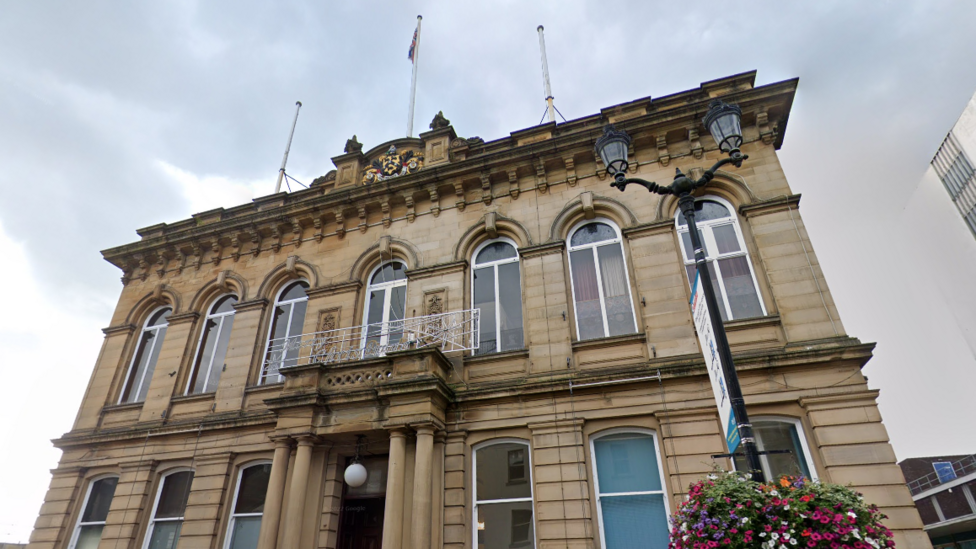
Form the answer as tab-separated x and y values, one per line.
306	439
281	441
426	429
398	433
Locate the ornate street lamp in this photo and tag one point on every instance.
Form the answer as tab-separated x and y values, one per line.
724	123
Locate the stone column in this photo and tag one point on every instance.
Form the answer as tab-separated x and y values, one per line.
422	477
268	537
393	514
437	493
456	517
296	493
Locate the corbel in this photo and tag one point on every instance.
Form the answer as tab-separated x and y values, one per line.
318	222
275	237
490	227
197	255
126	275
296	229
157	295
386	246
601	169
162	258
216	249
767	131
632	153
385	208
222	282
459	191
570	164
435	205
144	266
361	209
180	260
542	182
486	187
235	242
662	150
340	223
513	184
255	235
290	263
586	201
411	211
696	146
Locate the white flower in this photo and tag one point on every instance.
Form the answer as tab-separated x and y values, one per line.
793	541
856	534
745	520
786	508
712	477
762	534
775	493
786	536
774	535
851	514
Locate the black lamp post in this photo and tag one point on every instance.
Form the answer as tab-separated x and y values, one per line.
724	123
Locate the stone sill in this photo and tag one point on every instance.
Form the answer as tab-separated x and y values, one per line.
120	407
495	357
639	337
194	397
266	388
755	322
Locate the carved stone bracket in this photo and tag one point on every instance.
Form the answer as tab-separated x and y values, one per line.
318	222
586	201
411	210
180	260
662	151
255	235
275	238
216	250
197	255
162	258
235	242
361	212
601	169
767	132
459	191
340	224
296	229
435	205
143	266
490	227
696	146
486	187
385	207
513	184
570	164
542	182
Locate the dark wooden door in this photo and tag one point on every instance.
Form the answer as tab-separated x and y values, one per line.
361	523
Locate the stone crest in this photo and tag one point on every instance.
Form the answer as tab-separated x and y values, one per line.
393	164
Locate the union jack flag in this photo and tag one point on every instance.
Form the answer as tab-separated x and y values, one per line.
413	45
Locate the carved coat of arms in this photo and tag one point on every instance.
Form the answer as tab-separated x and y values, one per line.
393	164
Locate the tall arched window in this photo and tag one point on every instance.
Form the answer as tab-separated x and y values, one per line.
780	433
600	284
166	519
629	490
386	301
497	291
144	362
285	334
213	346
245	518
728	261
91	521
503	506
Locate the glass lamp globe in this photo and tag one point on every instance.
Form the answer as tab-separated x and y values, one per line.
612	148
724	122
355	475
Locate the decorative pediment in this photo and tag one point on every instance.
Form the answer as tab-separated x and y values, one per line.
393	163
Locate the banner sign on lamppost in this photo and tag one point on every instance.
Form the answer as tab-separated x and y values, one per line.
706	338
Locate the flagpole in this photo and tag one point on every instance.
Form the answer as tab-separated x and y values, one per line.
413	80
545	76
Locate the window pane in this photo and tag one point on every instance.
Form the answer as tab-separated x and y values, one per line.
705	210
510	302
634	521
725	239
593	232
692	270
626	463
484	299
620	315
160	318
494	252
506	525
297	318
150	365
589	315
374	316
165	534
495	468
99	500
689	249
398	302
389	273
254	486
739	287
224	305
89	536
244	535
220	354
294	291
175	491
776	435
206	355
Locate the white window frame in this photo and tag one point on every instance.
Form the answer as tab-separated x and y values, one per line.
233	502
619	241
84	506
203	332
262	378
135	355
494	266
596	477
712	255
152	514
474	485
387	288
804	445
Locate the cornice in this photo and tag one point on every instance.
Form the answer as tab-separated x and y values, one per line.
333	289
649	229
538	250
437	270
181	318
769	206
126	329
250	305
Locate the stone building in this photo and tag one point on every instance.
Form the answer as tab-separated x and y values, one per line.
501	340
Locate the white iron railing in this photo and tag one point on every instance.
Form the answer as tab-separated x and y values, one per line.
454	331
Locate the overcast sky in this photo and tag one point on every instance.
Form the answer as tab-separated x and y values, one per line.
115	116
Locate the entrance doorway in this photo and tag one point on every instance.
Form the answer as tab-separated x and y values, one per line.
361	515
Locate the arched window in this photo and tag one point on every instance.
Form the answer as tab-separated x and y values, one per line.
386	302
728	261
629	490
777	433
286	331
245	517
600	284
503	495
497	291
91	521
144	362
213	347
166	518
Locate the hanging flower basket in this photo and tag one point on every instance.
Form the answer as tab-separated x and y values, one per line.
727	510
